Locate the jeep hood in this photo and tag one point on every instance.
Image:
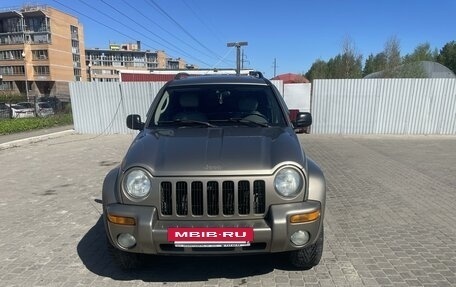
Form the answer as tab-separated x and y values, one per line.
214	151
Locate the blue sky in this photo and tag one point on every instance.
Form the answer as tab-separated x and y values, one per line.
294	32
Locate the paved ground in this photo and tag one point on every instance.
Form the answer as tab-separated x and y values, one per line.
390	218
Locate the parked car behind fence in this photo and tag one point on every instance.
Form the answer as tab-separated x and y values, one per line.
44	109
18	111
41	109
4	111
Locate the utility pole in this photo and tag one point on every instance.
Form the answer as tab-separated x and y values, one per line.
25	74
238	54
242	59
275	66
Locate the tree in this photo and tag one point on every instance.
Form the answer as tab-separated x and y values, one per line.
447	56
318	70
422	52
347	65
393	57
351	61
374	64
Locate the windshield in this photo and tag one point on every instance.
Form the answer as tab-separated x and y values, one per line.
218	105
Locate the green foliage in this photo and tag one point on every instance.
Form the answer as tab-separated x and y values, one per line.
9	126
422	52
447	56
347	65
11	98
392	53
374	64
411	70
319	70
388	63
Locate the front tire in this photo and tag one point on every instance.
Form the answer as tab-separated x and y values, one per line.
306	258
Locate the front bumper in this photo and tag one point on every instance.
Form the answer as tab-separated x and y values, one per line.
271	234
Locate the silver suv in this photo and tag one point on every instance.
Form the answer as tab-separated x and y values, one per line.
216	169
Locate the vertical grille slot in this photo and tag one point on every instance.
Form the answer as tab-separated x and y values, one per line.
212	198
166	198
244	197
259	200
197	198
228	197
181	198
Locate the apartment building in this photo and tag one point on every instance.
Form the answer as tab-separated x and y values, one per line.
41	51
104	65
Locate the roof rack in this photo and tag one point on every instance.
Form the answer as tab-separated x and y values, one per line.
182	75
256	74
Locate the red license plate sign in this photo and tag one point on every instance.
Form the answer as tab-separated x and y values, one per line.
210	236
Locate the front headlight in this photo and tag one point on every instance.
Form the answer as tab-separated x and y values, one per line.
288	182
136	183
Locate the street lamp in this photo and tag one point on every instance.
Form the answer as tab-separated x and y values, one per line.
25	74
90	71
238	54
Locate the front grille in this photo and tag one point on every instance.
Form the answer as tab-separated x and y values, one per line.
212	198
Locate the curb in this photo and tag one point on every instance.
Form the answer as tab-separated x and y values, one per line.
21	142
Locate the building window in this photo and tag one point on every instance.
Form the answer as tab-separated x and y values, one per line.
74	32
76	61
39	38
12	70
36	24
40	55
6	86
41	70
77	72
12	39
11	55
11	25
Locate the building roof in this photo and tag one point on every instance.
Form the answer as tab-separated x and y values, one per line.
291	78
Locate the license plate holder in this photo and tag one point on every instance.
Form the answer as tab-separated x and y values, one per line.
210	236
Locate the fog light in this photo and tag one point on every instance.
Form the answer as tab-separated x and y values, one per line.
126	240
300	237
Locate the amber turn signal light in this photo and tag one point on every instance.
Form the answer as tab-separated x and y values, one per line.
122	220
305	217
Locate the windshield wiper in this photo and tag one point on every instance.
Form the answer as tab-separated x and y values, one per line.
248	122
186	123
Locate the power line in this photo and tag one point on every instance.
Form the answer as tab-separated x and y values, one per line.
226	55
96	21
202	21
145	28
209	28
118	31
126	35
159	26
158	8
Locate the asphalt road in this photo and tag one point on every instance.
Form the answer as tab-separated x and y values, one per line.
390	218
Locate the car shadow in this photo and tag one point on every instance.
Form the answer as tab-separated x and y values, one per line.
94	254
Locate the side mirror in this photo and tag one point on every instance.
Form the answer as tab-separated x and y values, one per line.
134	122
303	120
